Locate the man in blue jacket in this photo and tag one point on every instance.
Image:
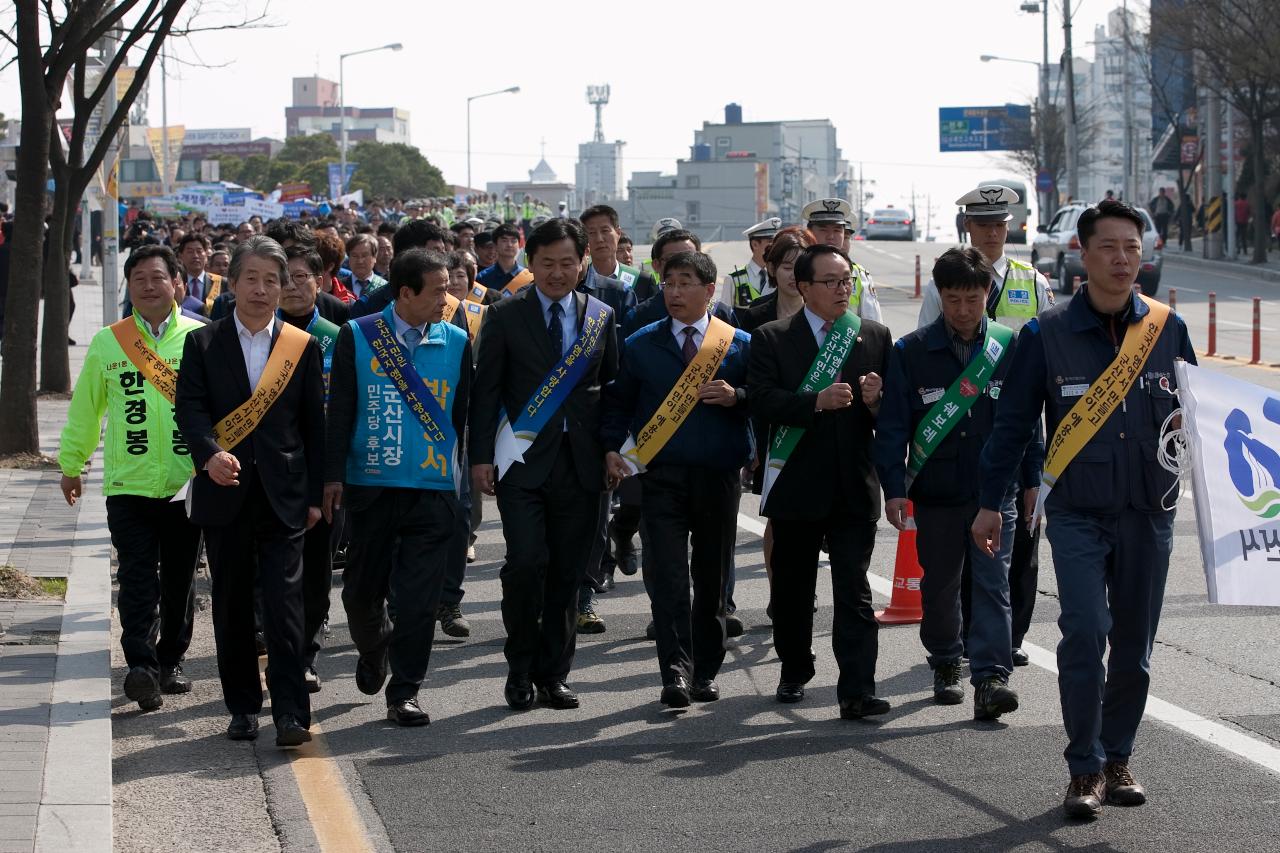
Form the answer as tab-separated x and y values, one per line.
940	396
678	412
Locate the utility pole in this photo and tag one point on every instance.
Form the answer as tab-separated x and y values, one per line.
110	201
1130	176
1230	213
165	189
1073	140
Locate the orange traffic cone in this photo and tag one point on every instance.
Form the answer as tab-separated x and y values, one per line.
904	604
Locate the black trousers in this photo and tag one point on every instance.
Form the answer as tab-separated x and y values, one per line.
549	533
157	547
318	547
685	506
399	548
258	544
854	639
455	574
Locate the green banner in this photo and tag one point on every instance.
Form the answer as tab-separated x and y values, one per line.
938	422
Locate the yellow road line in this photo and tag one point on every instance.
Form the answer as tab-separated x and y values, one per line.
338	825
1238	361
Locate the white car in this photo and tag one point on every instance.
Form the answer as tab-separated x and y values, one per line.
890	224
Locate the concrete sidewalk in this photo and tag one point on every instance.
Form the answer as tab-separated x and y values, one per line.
55	688
1195	259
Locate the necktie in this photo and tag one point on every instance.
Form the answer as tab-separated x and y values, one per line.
764	281
193	288
412	337
690	349
826	330
556	328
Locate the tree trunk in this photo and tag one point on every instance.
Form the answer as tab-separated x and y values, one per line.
1258	194
19	429
55	368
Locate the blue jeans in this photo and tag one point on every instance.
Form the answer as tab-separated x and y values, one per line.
945	546
1111	574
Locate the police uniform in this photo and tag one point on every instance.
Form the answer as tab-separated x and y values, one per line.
1109	528
1017	294
863	301
748	283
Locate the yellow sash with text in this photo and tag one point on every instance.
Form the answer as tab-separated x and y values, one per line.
1104	396
151	366
474	313
521	279
284	358
215	290
681	399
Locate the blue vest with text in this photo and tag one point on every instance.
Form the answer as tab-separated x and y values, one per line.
389	447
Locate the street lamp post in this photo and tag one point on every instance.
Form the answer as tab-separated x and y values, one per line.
342	107
509	90
1042	106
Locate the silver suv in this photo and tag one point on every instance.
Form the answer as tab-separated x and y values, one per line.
1055	251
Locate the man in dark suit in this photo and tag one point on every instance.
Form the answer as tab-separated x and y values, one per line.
690	486
828	487
548	490
256	496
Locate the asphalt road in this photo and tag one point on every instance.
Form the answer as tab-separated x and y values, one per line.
745	773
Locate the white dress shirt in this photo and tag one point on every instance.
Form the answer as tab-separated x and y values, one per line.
402	327
816	323
699	330
256	347
568	320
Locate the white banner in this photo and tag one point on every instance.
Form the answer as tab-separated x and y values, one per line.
265	209
1234	428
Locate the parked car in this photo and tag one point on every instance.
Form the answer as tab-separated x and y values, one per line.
1055	251
890	224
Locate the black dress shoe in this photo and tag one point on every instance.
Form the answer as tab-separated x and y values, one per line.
733	626
290	732
519	692
243	727
371	672
141	686
789	693
558	696
704	690
173	681
676	694
651	631
863	706
1020	658
407	713
311	678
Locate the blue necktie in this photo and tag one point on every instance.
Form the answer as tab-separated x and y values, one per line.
412	337
556	328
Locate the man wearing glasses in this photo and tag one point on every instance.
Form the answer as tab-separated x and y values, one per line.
298	308
815	379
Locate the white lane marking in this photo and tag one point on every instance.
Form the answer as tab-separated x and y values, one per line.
1224	737
1244	325
895	257
1181	288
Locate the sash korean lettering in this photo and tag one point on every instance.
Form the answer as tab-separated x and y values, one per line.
150	365
958	399
404	376
286	353
826	365
520	280
1104	396
681	399
473	312
515	438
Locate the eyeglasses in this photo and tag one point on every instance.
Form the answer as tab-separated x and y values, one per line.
845	283
683	285
301	278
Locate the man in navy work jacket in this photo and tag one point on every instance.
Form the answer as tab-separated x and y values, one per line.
690	487
942	391
1110	521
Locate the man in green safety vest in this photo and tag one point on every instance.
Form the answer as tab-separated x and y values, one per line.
830	220
748	283
1017	294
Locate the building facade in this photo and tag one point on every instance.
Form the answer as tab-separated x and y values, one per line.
315	110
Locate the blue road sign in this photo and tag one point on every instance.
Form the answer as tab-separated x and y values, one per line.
1044	181
984	128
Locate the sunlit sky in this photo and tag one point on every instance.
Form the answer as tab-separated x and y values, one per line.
878	70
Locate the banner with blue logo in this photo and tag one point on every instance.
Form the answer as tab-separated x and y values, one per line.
1233	429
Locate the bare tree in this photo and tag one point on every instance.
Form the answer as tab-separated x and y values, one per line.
73	28
1044	146
1236	43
